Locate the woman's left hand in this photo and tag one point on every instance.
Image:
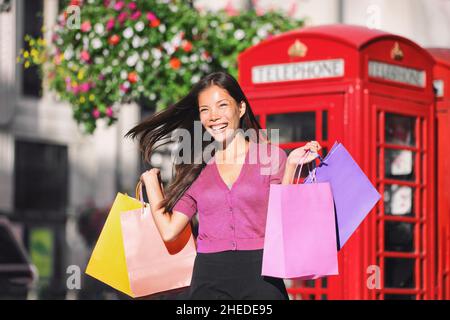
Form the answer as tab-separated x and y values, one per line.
297	155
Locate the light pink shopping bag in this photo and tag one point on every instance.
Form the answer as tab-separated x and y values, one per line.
153	265
300	240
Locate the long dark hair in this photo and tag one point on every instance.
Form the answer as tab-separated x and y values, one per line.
153	131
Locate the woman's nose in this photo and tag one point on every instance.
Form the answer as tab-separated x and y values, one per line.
214	115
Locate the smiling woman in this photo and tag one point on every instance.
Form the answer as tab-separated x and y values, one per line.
219	113
229	191
184	114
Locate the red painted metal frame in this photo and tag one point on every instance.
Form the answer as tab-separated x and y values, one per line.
419	219
442	72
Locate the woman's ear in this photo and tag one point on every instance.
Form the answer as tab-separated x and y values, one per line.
242	108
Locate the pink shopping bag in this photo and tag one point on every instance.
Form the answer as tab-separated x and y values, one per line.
153	265
300	240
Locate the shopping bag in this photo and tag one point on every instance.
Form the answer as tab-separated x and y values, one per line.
353	193
107	262
300	238
153	265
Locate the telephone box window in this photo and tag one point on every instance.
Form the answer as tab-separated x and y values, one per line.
324	283
399	164
399	297
293	126
399	236
399	200
324	125
399	273
400	130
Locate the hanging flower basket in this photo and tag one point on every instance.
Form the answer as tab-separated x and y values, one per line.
151	51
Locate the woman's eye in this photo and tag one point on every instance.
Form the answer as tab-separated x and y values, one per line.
223	105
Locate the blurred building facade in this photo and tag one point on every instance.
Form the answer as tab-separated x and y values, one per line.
50	173
426	22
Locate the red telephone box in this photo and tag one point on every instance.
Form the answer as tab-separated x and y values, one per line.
372	91
441	78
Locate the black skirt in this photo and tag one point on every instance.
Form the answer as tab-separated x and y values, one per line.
233	275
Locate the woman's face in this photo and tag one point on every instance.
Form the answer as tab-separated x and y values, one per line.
219	112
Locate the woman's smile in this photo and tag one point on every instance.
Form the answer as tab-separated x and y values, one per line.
219	128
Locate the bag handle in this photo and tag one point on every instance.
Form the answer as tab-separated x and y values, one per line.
301	167
139	194
140	197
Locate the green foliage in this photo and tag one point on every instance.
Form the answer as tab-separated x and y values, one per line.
149	51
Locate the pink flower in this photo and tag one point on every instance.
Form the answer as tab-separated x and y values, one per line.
135	15
96	113
68	86
119	5
259	12
106	3
123	88
84	87
132	5
101	77
61	20
57	60
110	24
85	56
85	26
109	112
151	16
230	9
122	17
75	89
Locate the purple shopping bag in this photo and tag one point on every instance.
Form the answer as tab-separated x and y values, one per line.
300	238
353	193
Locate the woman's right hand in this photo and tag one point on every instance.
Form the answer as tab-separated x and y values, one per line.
151	177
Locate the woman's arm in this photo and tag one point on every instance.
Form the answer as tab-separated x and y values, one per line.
169	225
288	172
296	156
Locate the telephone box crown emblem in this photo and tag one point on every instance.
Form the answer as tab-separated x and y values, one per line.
396	52
297	49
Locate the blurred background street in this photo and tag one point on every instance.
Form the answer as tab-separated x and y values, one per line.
75	76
